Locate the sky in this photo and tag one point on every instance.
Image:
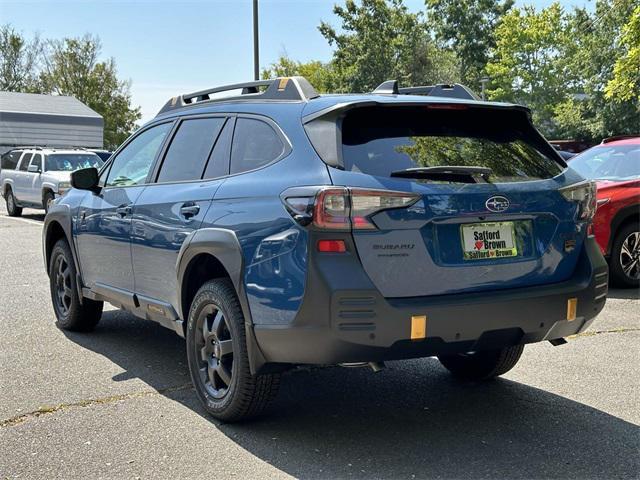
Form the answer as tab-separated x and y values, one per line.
166	48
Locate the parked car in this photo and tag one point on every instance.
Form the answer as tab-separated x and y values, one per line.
566	155
34	177
280	227
615	165
103	154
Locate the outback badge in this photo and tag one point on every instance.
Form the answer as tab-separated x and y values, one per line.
497	203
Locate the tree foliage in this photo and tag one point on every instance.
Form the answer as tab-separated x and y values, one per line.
527	63
319	74
468	27
561	63
72	67
595	43
19	61
380	40
625	84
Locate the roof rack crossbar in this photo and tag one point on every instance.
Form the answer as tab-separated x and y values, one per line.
281	88
455	90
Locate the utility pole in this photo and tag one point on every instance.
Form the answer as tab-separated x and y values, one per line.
256	53
483	82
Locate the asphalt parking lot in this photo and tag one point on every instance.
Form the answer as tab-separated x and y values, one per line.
117	403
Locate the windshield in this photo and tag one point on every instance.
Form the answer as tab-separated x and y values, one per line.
379	141
608	163
68	162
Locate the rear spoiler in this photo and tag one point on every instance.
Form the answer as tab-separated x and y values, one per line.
324	130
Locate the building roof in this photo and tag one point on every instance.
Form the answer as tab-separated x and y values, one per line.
34	103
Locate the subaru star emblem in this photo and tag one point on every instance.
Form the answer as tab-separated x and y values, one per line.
497	204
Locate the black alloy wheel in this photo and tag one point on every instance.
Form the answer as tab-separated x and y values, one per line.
214	347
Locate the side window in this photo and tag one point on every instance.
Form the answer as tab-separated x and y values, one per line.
37	161
133	163
190	147
255	144
24	164
10	160
218	164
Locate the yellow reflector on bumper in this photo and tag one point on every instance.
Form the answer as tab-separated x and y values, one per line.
418	327
572	308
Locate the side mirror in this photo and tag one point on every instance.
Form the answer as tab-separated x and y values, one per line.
34	169
85	179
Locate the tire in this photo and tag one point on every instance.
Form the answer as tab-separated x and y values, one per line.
12	208
483	365
624	262
217	355
70	313
47	198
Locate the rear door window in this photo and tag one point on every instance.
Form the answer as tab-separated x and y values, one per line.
190	149
379	141
24	163
218	163
255	144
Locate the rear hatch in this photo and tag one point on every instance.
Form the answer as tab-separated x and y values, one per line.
497	220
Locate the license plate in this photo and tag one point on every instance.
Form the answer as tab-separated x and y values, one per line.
488	241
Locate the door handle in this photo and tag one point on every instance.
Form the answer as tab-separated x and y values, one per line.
124	210
189	210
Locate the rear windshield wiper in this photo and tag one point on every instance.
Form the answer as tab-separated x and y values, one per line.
454	173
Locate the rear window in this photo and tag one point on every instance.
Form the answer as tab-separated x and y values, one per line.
255	144
10	160
190	149
379	141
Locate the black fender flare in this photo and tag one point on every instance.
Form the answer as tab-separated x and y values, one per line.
223	245
60	214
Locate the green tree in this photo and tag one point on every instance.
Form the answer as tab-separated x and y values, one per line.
19	61
596	41
380	40
527	64
72	67
468	28
319	74
625	84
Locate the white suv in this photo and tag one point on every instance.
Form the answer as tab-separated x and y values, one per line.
33	177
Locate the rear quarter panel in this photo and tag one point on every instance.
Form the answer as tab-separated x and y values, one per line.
274	247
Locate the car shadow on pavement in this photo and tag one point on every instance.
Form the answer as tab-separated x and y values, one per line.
411	420
624	293
39	217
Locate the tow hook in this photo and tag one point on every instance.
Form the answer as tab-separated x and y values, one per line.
558	341
375	366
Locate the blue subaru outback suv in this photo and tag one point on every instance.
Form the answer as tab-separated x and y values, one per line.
277	227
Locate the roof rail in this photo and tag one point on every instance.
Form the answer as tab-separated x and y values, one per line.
618	137
281	88
455	90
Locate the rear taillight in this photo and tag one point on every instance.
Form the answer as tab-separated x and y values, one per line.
584	195
342	208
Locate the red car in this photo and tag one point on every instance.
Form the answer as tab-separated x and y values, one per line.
615	165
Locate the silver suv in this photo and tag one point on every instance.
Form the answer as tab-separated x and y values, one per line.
33	176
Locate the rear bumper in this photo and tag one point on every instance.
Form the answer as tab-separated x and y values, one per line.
337	324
